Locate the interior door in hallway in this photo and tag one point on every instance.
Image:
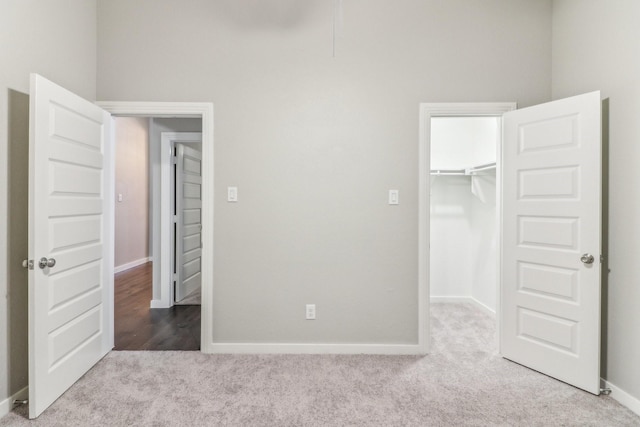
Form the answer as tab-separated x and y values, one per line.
188	222
70	240
551	239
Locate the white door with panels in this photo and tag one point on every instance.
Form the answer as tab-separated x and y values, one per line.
70	233
551	239
188	222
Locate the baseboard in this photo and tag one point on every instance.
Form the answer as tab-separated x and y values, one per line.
158	303
464	300
7	405
488	310
622	396
131	264
249	348
439	300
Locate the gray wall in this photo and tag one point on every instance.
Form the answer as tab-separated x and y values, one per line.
596	46
58	40
132	182
314	143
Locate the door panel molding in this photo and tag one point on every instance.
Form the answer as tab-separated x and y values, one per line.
70	227
551	298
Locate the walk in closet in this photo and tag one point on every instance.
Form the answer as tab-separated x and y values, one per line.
464	215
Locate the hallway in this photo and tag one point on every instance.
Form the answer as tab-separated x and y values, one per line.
137	327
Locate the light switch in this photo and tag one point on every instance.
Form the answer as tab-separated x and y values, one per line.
232	194
119	197
394	197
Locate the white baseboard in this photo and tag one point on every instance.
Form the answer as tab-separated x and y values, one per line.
484	307
7	405
622	396
158	303
439	300
131	264
464	300
248	348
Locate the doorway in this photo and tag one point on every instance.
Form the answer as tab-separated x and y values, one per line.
464	216
549	178
454	171
203	111
143	319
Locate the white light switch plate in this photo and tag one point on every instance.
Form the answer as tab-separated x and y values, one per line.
394	197
232	194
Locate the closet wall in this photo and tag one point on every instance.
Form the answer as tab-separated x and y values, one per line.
463	210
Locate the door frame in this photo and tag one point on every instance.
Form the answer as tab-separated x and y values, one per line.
204	111
167	195
427	111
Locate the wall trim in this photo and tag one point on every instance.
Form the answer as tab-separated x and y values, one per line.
159	303
292	348
203	110
131	264
6	405
621	396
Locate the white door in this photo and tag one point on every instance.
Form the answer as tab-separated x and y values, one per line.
551	239
188	221
70	325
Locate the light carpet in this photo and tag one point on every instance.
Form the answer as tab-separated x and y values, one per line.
461	383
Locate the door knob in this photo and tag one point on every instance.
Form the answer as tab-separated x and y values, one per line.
44	262
587	258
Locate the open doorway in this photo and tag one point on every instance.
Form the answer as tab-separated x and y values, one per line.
459	208
464	215
143	319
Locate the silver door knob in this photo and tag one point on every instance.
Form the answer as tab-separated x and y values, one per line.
44	262
587	258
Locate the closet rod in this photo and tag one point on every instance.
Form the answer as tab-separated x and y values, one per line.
448	172
480	168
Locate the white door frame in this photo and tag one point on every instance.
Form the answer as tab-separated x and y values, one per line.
203	110
427	111
167	141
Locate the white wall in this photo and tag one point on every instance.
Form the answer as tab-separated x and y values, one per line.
595	47
314	143
132	182
451	254
484	241
58	40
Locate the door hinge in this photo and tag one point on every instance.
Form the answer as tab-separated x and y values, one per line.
28	263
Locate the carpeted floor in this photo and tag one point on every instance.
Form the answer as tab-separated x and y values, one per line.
462	383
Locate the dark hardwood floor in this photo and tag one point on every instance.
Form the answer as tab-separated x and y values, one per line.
137	327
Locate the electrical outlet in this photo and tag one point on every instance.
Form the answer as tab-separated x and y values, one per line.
311	311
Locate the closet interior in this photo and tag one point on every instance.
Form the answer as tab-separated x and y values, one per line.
464	215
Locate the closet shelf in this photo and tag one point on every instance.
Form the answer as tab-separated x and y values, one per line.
488	167
474	170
